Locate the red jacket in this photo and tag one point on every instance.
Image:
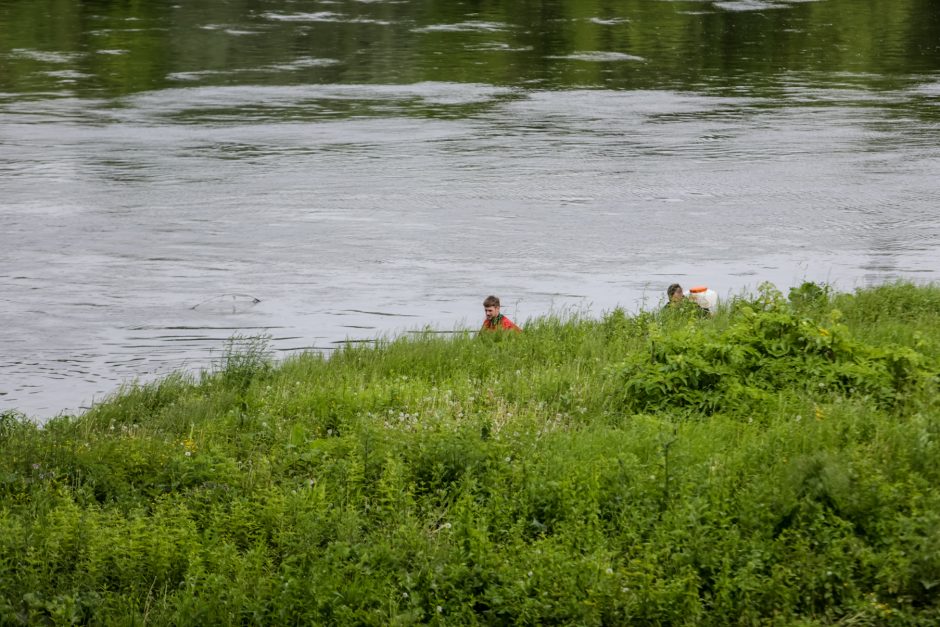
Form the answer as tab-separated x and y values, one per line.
501	323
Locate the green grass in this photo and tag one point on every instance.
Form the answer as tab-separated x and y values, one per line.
774	464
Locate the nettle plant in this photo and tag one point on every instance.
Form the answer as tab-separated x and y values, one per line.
768	344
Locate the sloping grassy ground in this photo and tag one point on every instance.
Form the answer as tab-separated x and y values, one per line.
776	464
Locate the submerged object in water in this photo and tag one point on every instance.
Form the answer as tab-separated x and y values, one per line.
227	304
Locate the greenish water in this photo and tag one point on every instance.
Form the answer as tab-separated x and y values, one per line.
368	167
111	49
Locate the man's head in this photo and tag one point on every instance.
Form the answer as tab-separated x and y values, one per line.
491	307
674	292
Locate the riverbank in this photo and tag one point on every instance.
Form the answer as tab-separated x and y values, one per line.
775	463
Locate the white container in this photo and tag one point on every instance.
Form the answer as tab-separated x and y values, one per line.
704	297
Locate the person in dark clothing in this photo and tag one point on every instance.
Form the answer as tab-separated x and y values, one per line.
678	301
675	294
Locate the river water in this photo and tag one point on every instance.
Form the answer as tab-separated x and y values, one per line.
175	176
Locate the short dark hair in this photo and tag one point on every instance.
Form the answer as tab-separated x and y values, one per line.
672	289
491	301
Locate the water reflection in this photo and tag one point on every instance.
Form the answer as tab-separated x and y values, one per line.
115	48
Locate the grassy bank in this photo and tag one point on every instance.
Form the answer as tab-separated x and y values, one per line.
774	464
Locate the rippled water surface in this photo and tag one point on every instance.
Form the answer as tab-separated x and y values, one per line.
173	176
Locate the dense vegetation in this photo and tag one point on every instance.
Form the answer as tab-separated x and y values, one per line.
776	463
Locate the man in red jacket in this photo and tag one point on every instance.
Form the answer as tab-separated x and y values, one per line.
496	321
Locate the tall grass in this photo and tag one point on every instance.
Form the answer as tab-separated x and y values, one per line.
773	464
